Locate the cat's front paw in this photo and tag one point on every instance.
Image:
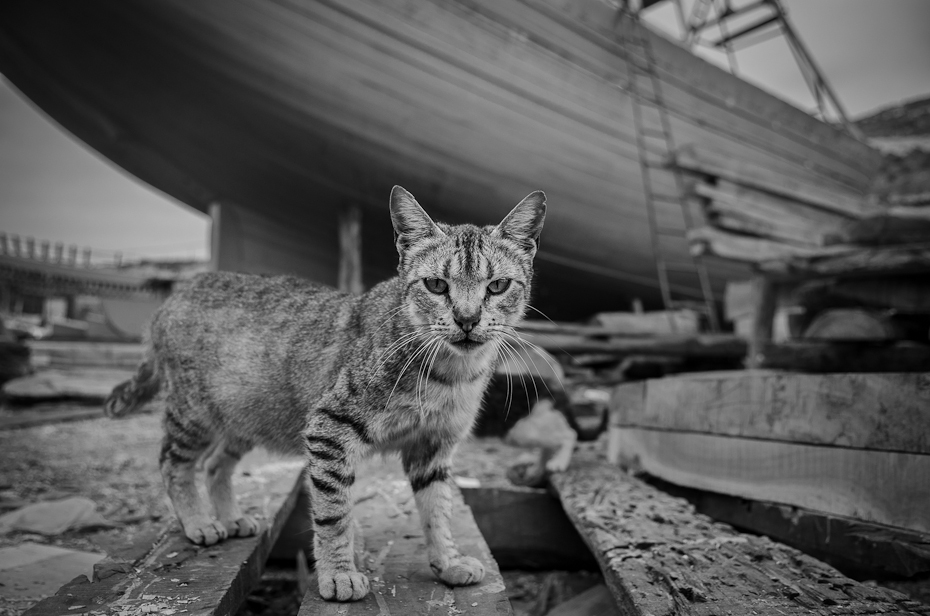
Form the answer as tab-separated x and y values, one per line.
246	526
206	534
346	586
461	571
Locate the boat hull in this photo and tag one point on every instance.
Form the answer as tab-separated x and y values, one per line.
286	112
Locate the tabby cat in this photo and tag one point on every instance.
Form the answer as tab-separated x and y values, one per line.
300	368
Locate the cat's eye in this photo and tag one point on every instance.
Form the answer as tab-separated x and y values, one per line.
499	286
436	285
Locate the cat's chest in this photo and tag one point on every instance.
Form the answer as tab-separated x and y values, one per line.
433	406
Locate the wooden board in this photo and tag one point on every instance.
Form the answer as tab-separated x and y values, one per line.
174	574
661	558
705	345
526	528
401	580
876	486
861	262
808	356
860	549
886	412
738	171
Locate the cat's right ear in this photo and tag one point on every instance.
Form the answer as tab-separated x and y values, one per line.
411	223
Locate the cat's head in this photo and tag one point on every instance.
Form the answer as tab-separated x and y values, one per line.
466	285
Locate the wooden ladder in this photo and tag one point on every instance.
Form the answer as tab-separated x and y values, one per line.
656	148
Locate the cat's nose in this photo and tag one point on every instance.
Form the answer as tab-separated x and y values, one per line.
467	322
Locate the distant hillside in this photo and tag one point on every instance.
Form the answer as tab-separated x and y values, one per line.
905	120
902	132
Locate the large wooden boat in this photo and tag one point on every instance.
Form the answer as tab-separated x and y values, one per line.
279	114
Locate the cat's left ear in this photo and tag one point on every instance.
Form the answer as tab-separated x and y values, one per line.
524	223
411	223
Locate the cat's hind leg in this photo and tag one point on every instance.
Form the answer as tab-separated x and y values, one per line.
186	441
219	467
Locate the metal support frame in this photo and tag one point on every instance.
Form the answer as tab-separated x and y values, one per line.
771	22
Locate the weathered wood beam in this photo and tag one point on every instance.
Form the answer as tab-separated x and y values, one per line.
857	548
526	528
764	305
882	412
875	486
739	172
659	557
168	572
350	250
704	345
811	356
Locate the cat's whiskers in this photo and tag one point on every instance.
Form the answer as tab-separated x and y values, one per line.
390	316
514	355
389	352
420	350
509	398
426	368
542	353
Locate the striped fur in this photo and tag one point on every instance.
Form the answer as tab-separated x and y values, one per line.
299	368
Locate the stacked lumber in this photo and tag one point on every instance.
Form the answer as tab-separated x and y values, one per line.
779	227
616	346
844	451
837	274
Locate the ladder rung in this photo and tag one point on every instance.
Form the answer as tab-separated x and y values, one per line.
641	98
662	154
653	132
666	198
678	266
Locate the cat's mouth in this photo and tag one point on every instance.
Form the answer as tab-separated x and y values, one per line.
467	344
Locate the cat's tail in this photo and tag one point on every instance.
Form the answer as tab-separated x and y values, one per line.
129	396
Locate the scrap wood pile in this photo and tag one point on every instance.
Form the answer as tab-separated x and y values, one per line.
618	346
844	270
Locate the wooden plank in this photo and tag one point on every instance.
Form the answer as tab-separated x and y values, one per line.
882	412
764	304
906	259
910	295
866	551
526	528
659	557
747	249
396	562
596	601
704	345
174	574
620	324
876	486
743	173
350	250
811	356
732	197
658	323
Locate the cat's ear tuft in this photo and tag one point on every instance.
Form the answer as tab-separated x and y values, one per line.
524	223
411	223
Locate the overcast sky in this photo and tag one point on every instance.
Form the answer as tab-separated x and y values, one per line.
874	53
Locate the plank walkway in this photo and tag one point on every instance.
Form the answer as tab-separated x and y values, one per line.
395	557
166	574
661	558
